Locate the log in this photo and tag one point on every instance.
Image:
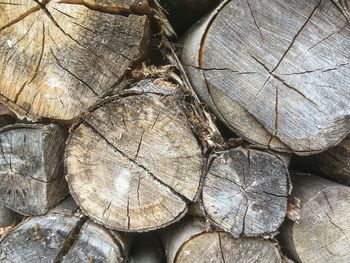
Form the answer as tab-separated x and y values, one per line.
191	242
59	57
246	192
335	162
61	236
133	163
323	232
275	72
31	167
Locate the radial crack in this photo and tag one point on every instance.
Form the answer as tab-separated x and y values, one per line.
254	19
297	34
20	17
72	74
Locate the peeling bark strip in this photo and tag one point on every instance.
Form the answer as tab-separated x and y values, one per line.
335	162
57	58
133	163
31	167
245	192
63	237
276	72
190	242
323	233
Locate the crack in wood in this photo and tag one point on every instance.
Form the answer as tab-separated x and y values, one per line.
20	18
72	74
297	34
254	19
173	191
221	250
128	212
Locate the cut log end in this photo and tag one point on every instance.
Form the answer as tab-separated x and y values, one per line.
60	57
190	242
275	82
323	232
245	192
133	163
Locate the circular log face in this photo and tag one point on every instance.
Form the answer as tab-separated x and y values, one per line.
222	247
245	192
277	72
133	161
323	234
58	57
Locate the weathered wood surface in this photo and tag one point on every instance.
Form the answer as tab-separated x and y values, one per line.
59	57
190	242
7	217
94	244
31	167
323	233
246	192
276	72
61	236
133	163
335	162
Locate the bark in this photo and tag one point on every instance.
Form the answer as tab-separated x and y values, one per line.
134	163
246	192
59	57
323	233
275	72
335	162
61	236
31	162
191	242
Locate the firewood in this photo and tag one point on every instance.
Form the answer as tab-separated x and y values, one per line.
134	163
335	162
246	192
322	234
59	57
276	72
60	236
32	179
191	242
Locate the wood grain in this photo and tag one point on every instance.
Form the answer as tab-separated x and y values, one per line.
276	72
31	161
322	234
189	241
59	57
245	192
134	162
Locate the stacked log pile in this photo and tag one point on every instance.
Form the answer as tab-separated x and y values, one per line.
121	143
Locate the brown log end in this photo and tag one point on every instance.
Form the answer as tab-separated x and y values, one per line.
133	163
